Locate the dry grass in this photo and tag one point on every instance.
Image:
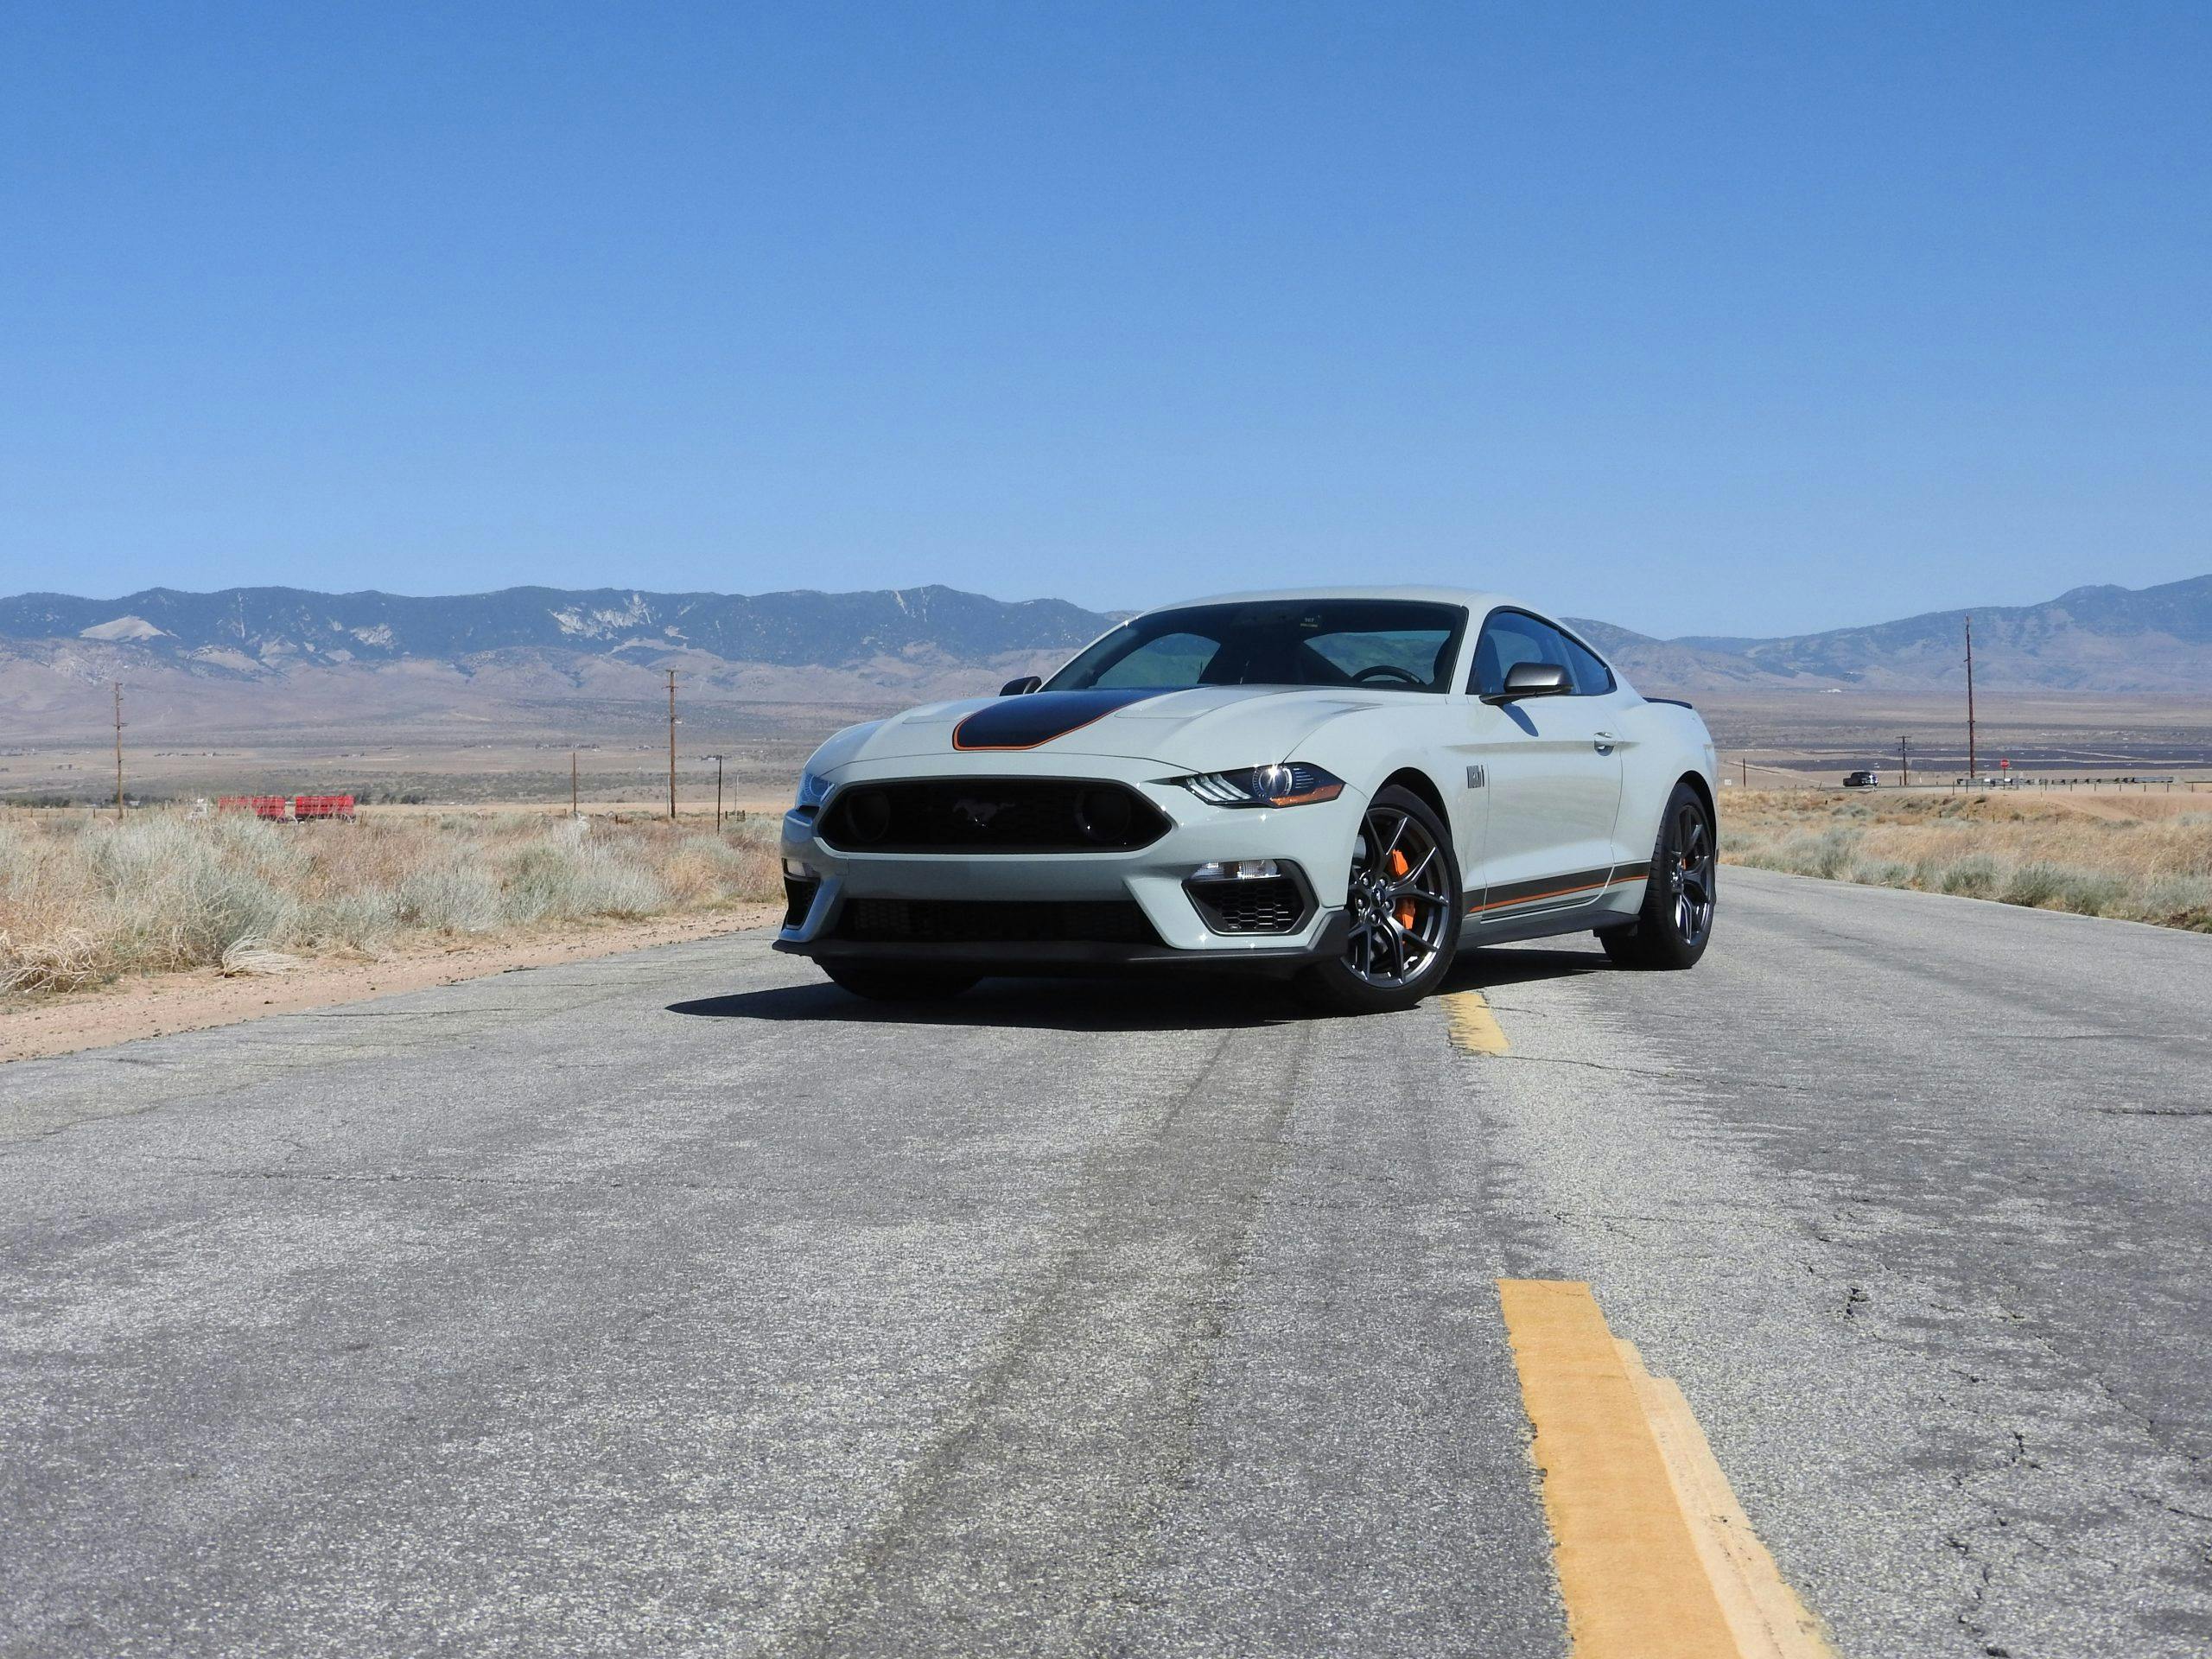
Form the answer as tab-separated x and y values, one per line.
2144	858
85	899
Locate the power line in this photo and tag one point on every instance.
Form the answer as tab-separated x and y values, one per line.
670	746
1972	770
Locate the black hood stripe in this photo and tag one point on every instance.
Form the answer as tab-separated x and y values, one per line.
1026	721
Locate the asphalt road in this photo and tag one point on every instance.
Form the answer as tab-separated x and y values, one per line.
677	1304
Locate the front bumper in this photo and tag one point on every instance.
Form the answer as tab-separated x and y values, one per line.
1316	839
1078	957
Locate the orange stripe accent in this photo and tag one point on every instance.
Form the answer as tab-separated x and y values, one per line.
1560	893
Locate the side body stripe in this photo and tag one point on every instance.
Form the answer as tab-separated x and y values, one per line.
1513	894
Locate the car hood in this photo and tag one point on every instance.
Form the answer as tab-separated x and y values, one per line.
1205	728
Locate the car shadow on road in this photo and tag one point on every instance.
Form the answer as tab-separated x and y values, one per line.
1162	1003
1481	970
1056	1004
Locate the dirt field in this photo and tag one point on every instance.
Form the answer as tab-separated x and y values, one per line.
192	1000
504	755
2142	856
1776	737
166	917
621	759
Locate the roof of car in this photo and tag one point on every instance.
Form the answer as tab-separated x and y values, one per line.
1474	599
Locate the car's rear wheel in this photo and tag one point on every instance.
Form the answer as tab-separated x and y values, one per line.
1675	923
1403	905
881	982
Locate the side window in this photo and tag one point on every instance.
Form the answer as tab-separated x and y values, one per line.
1592	677
1511	636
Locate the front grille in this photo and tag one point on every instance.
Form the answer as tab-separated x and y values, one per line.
969	921
798	899
991	815
1271	904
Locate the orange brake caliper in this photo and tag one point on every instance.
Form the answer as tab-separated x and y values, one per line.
1397	865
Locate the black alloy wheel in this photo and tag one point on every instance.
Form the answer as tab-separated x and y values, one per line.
1402	904
1689	860
1680	895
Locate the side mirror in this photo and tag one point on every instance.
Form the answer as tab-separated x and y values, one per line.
1020	688
1532	680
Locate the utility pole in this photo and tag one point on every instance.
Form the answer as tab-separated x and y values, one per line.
1742	773
575	812
1904	767
118	748
672	746
1973	771
717	760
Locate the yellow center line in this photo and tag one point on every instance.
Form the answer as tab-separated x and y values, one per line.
1656	1560
1473	1026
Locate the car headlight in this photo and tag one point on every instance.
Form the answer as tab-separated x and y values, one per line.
813	789
1296	782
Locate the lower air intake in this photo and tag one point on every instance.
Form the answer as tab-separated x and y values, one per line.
960	921
798	899
1272	905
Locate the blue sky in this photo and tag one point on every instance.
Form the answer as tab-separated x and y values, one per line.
1741	319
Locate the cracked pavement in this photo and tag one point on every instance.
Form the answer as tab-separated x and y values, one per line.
677	1301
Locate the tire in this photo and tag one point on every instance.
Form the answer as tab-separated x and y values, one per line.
1674	923
1387	965
881	982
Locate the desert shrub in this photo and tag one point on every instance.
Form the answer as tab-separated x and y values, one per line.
67	961
251	956
2175	901
84	899
606	883
2035	884
362	921
1881	873
1974	876
2047	854
2092	892
450	897
177	893
570	874
1825	853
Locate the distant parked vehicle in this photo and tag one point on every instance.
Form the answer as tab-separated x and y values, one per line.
291	808
1862	780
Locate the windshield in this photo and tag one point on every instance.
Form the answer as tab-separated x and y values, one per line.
1383	644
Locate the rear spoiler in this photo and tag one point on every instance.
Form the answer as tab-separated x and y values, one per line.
1673	702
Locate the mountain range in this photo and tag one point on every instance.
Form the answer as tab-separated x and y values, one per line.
2101	638
213	657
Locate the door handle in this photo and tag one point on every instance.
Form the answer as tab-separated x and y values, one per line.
1604	741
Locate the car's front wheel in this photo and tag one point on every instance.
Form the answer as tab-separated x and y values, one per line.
1675	923
1403	906
896	982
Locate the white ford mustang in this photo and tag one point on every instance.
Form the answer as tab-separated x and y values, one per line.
1343	787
